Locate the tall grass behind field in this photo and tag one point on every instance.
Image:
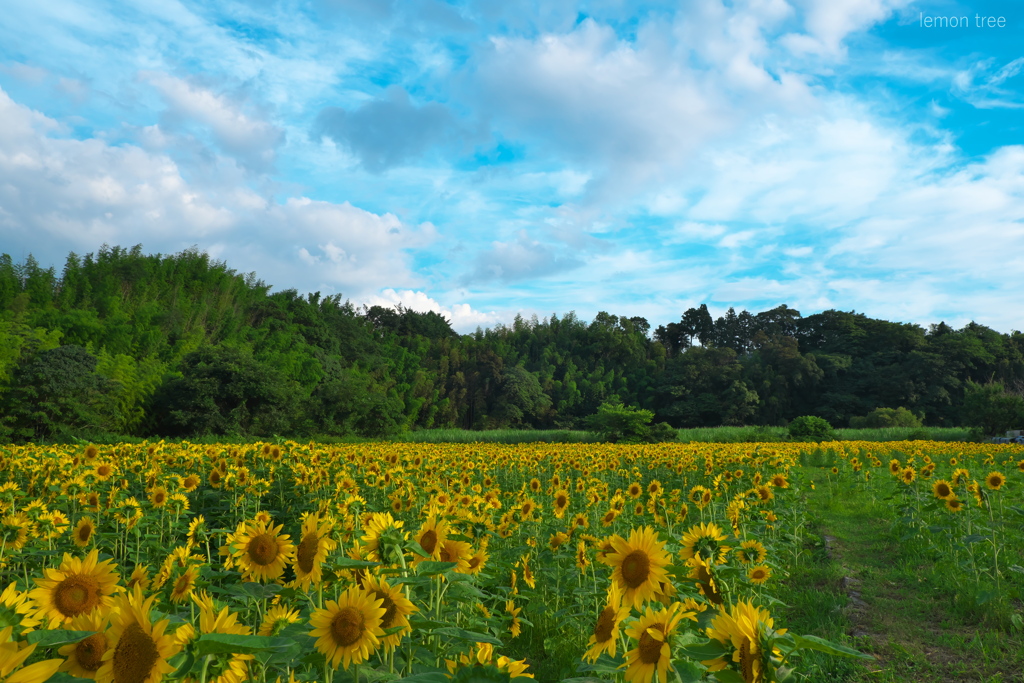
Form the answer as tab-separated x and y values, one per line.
507	436
768	434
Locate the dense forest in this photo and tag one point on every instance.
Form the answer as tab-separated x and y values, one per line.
125	343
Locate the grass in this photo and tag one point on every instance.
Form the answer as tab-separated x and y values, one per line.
513	436
882	594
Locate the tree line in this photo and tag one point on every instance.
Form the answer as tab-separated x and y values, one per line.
126	343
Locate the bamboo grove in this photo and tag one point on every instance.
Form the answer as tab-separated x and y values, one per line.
431	563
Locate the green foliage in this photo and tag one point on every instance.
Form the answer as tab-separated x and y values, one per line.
991	410
58	392
811	428
225	391
884	418
317	365
616	422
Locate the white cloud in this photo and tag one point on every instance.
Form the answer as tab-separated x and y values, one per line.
250	139
61	194
462	316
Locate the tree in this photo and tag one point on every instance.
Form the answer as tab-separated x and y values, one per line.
58	393
811	428
989	409
616	422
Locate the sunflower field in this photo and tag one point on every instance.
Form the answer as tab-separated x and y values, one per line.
429	563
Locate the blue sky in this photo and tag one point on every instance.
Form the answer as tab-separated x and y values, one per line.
484	158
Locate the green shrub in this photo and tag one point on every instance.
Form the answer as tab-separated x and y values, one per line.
811	428
990	410
883	418
616	422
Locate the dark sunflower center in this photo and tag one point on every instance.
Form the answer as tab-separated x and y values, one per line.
943	490
650	647
428	541
390	609
263	549
605	625
89	651
159	498
306	552
183	583
758	574
85	532
77	594
347	626
746	661
636	567
446	554
561	501
135	655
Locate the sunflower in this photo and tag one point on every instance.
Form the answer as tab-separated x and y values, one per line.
479	558
954	504
635	489
13	655
277	618
262	551
705	540
196	531
17	611
233	669
609	517
85	657
582	559
515	628
83	532
431	537
706	583
140	576
314	547
942	489
15	530
759	574
743	627
190	483
639	564
138	649
561	503
751	552
158	497
383	537
348	631
184	585
397	608
907	475
653	635
994	481
780	481
606	628
557	540
458	552
77	587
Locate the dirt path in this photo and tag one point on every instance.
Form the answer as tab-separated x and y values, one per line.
898	615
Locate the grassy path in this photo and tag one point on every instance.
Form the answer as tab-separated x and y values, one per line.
860	582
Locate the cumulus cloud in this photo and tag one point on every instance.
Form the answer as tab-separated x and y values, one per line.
388	131
59	194
249	139
462	316
521	259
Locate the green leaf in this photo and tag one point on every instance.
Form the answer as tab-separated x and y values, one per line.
828	647
481	674
230	643
184	666
689	672
421	624
985	596
432	567
469	636
974	538
64	677
728	676
55	638
709	649
259	591
603	665
349	563
425	677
